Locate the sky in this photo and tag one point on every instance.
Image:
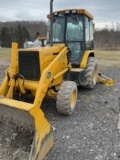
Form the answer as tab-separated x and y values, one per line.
105	12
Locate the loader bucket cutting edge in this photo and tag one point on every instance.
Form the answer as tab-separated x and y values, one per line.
32	120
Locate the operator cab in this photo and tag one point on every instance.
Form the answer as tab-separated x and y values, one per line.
74	28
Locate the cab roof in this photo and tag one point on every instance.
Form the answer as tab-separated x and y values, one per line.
78	11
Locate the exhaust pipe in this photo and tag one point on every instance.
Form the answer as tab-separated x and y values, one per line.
51	22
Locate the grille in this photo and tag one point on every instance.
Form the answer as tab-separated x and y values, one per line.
29	67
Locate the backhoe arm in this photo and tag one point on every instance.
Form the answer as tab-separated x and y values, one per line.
105	80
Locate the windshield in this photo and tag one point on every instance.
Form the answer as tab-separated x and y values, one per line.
67	29
74	29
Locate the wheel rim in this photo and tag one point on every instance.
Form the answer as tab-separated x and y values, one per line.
73	99
95	75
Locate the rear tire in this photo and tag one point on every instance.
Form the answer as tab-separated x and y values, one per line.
67	97
90	73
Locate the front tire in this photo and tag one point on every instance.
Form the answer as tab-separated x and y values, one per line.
67	97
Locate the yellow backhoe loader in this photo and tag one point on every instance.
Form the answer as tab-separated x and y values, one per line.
55	70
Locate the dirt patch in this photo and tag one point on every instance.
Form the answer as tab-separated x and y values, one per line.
15	141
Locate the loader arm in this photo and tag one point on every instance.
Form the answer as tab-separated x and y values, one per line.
48	75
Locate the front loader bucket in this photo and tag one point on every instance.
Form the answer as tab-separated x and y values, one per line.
32	119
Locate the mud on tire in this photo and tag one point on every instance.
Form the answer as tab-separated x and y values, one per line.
67	97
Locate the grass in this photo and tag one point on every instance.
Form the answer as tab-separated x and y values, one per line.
106	58
5	53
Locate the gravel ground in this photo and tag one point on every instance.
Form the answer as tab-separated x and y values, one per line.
91	133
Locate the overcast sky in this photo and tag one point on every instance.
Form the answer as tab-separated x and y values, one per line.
104	11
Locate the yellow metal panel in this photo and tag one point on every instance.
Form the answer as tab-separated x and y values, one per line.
85	58
48	74
60	73
47	54
83	11
16	104
44	137
14	54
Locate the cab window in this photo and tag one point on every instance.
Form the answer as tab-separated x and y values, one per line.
74	31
